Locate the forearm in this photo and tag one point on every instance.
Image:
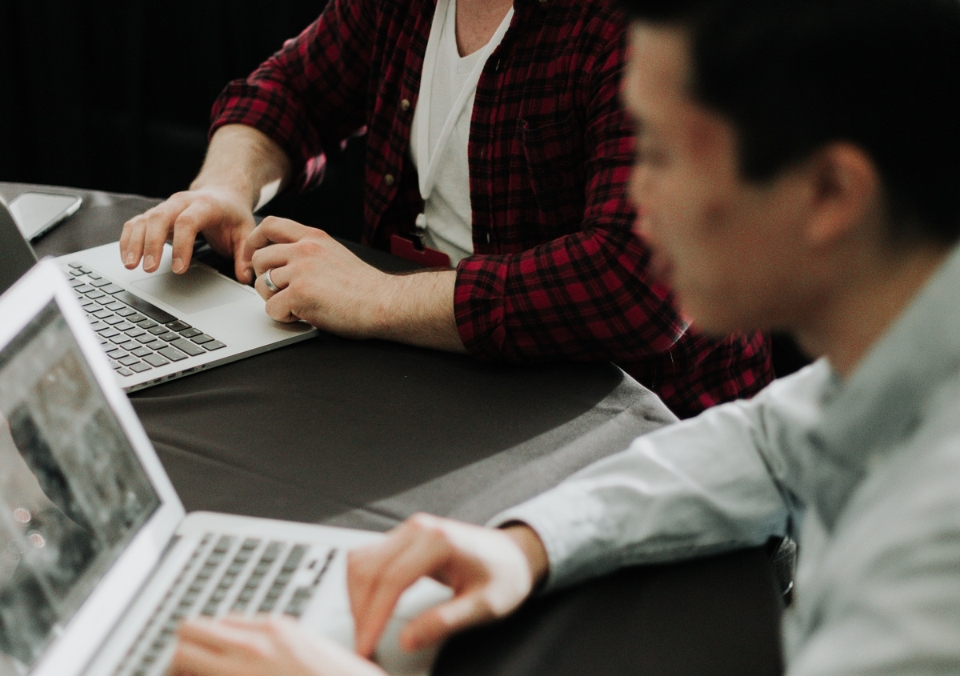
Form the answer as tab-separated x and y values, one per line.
417	309
706	485
245	162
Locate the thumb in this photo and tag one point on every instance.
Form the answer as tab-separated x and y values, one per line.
440	622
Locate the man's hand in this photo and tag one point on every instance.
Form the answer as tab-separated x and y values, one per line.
243	170
321	282
273	647
224	218
490	571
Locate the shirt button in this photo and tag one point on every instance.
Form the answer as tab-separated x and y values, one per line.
389	179
405	105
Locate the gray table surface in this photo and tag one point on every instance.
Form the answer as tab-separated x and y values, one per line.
364	433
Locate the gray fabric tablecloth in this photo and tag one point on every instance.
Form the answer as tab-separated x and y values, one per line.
363	434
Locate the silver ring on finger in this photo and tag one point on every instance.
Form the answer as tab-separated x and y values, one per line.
269	282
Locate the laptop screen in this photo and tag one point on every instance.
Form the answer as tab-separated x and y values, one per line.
72	492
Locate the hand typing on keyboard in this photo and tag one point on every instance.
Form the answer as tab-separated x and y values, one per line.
269	647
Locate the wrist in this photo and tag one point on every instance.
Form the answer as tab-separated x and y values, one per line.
533	549
244	196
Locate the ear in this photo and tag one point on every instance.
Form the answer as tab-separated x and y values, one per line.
847	193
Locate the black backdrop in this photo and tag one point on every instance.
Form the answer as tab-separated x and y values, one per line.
116	94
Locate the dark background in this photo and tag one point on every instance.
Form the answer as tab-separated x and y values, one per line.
115	95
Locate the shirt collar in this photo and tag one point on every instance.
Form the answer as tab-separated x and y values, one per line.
884	399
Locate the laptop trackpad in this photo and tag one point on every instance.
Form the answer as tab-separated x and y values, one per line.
194	291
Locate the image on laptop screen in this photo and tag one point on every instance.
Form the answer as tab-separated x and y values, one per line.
72	491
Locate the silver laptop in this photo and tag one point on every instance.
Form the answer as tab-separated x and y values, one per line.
98	562
158	326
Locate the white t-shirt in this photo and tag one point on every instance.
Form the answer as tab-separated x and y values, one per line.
447	221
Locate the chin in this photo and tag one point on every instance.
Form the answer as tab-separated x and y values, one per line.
715	318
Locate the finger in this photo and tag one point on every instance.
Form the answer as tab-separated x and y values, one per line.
270	257
364	565
279	305
280	277
209	634
131	242
440	622
191	221
425	555
274	231
159	222
191	659
243	266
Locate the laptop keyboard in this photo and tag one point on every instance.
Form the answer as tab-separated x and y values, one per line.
227	574
136	335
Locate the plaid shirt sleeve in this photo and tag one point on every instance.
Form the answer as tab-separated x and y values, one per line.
310	95
585	295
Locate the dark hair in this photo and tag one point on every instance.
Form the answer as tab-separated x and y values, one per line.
794	75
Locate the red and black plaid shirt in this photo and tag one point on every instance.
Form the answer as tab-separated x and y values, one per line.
556	273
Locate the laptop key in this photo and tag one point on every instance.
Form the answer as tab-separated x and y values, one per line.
187	346
122	325
141	367
129	360
116	353
215	345
83	288
136	333
123	310
148	340
141	352
155	345
144	307
178	325
113	320
158	330
111	289
169	337
143	322
172	354
155	360
201	339
94	294
100	281
190	333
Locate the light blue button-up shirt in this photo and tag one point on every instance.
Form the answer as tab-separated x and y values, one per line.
865	474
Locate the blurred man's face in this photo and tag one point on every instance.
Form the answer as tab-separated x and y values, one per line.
728	248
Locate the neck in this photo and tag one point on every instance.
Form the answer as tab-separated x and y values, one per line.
477	21
851	321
